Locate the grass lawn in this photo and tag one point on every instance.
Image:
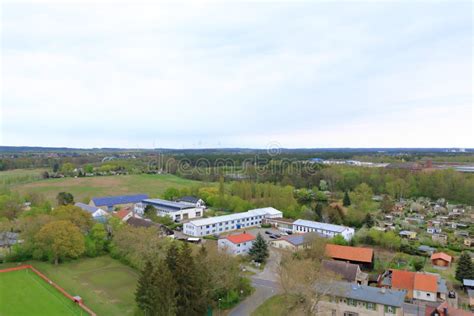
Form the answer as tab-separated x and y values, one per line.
106	285
85	188
22	292
278	305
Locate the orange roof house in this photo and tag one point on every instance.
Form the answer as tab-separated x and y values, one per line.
403	280
445	310
441	259
123	214
357	255
240	238
425	282
414	282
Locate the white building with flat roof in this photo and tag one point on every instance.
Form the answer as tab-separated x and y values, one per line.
323	229
177	211
226	223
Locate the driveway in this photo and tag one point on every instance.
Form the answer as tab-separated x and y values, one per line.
266	285
413	309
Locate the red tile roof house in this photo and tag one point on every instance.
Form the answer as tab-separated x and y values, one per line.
238	244
446	310
419	286
364	257
123	214
441	259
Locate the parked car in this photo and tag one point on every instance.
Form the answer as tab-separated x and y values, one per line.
277	235
273	236
289	232
268	232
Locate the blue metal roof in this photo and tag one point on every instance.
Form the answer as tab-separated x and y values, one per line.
119	199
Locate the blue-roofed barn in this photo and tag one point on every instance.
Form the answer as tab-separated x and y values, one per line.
109	203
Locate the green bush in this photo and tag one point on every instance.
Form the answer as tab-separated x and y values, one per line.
266	225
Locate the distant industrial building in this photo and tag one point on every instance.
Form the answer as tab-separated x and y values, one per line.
226	223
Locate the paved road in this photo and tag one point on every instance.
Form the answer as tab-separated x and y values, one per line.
413	309
265	284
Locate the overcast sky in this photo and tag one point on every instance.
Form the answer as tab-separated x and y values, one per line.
306	74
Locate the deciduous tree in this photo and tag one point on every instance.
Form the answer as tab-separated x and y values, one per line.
59	240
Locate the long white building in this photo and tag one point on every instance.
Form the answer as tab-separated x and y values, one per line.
225	223
323	229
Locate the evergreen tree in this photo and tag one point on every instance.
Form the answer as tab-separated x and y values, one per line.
172	258
163	292
143	293
259	250
319	211
65	198
369	220
347	200
465	268
190	300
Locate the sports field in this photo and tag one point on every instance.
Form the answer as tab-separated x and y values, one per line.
23	292
106	285
84	189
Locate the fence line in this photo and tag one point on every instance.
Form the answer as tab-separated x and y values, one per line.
57	287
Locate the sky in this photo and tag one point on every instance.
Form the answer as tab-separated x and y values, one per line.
293	74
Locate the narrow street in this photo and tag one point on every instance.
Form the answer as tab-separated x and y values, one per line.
266	285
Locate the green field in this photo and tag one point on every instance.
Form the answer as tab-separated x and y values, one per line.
106	285
22	292
84	189
17	176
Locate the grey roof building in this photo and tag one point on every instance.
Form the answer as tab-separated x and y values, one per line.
364	293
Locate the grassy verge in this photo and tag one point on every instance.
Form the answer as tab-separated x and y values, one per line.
278	305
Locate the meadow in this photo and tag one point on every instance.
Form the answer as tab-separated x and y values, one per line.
106	285
83	189
18	176
22	292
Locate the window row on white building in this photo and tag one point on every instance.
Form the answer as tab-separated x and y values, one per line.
221	224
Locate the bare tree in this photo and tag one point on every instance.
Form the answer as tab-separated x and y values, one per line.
302	277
